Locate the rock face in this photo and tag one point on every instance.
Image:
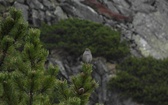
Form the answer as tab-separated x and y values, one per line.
102	72
142	22
37	11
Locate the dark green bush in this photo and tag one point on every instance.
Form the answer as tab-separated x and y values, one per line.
143	79
74	35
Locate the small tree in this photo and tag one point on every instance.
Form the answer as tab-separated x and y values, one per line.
23	78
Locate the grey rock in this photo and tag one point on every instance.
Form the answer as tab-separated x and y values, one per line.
162	6
21	1
76	9
56	62
112	6
24	9
153	33
35	4
76	69
69	10
100	67
145	8
41	16
10	1
35	17
62	69
47	3
122	3
1	1
97	77
48	17
60	14
119	6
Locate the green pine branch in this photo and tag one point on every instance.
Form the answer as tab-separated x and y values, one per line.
81	87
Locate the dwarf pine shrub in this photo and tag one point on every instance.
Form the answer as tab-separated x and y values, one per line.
74	35
143	79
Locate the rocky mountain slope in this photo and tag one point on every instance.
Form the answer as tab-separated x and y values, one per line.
142	22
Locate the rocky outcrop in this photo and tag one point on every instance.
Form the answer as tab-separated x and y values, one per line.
103	10
142	22
37	11
102	72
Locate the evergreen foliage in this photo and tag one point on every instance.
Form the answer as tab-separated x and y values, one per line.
143	79
24	80
80	88
74	35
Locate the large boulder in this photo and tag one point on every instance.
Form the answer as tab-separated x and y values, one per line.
152	34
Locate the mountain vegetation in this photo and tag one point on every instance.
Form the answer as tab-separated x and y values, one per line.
143	79
74	35
24	80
